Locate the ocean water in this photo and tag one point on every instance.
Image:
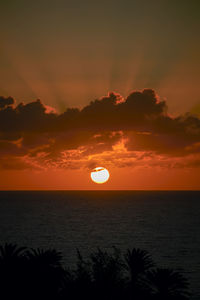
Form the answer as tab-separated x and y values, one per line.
167	224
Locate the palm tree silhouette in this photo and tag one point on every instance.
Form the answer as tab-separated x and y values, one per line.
11	252
46	274
12	270
138	262
167	284
50	257
83	271
107	272
39	274
78	283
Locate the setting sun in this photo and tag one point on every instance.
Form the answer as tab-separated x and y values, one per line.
99	175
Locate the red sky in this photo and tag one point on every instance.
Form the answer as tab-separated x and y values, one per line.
139	59
135	138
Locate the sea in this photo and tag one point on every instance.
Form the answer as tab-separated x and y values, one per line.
165	223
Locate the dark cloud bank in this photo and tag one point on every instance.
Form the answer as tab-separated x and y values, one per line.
32	137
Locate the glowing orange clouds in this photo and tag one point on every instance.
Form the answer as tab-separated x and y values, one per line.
136	135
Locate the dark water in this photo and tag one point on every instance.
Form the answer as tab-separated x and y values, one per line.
167	224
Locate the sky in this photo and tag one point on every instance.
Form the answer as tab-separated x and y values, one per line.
99	83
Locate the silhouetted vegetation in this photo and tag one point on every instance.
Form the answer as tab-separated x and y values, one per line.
40	274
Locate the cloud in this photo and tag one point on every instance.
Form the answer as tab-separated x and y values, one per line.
5	102
127	131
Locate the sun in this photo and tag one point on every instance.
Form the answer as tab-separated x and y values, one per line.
100	175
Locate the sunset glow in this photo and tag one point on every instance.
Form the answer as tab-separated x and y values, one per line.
99	92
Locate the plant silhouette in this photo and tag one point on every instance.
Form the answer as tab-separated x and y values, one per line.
167	284
138	262
46	274
107	273
40	274
12	270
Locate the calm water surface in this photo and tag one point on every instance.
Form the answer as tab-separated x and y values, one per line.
167	224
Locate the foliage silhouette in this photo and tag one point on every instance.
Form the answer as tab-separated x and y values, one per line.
138	262
107	273
10	252
39	274
46	273
167	284
12	270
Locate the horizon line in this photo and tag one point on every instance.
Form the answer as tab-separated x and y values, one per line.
93	190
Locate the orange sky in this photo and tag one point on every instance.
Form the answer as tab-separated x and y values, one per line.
135	138
119	88
120	179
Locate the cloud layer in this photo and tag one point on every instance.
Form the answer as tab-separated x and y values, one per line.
134	131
